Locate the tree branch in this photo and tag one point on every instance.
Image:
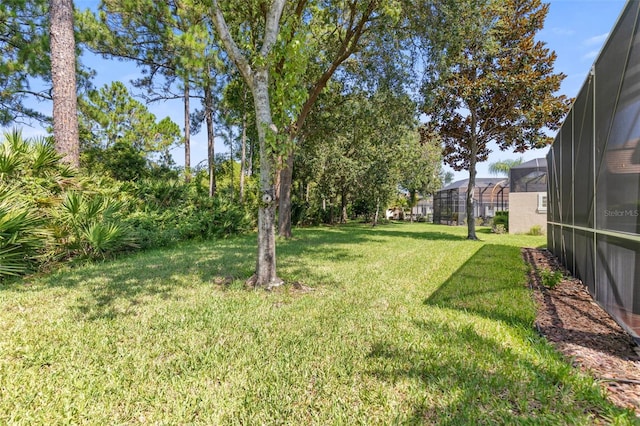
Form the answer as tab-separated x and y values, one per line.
272	26
230	45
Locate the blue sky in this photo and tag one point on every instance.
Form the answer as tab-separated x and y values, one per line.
575	29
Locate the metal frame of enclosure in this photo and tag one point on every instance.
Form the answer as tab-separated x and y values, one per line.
594	178
529	177
490	195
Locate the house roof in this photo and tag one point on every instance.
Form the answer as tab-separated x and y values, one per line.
532	164
480	183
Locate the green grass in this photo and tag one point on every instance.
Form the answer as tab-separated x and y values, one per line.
408	324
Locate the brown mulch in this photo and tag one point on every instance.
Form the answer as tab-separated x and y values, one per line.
580	329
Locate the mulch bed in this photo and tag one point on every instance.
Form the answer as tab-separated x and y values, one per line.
580	329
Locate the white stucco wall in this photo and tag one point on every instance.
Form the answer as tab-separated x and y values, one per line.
524	212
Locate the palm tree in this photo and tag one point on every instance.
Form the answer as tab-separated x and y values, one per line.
502	167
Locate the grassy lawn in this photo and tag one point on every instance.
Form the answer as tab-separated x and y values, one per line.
408	324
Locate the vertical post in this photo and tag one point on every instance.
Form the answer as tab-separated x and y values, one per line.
594	181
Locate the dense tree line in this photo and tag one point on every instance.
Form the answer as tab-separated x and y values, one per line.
319	102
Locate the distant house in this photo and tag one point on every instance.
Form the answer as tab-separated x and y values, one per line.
528	196
489	195
423	209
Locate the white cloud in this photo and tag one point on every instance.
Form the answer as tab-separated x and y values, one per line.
562	31
591	54
596	40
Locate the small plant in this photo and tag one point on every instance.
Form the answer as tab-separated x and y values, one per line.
549	278
500	223
535	230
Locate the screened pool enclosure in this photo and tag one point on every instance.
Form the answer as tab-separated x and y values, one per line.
594	178
489	195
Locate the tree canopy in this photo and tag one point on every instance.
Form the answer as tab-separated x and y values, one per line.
491	82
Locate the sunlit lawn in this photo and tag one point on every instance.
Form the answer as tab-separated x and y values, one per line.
407	324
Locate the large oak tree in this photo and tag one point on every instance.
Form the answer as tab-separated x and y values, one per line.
492	82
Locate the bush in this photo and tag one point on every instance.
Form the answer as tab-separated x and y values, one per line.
49	213
22	233
499	229
89	225
501	219
153	229
550	279
535	230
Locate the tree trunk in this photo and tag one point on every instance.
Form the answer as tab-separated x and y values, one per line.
187	132
208	107
331	204
377	214
343	202
258	81
266	263
243	152
231	161
471	222
63	79
284	208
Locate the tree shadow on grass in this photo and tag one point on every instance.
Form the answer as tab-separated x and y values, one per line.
490	284
118	287
466	388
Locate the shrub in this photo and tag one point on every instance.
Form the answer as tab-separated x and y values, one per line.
49	213
535	230
22	233
501	218
89	225
153	229
550	279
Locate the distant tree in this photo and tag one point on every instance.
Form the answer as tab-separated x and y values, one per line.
24	44
421	166
112	122
63	79
320	39
502	167
172	42
446	177
494	84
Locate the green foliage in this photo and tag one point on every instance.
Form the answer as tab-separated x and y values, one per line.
358	150
121	161
49	215
22	232
171	210
535	230
31	179
89	225
549	278
24	43
501	222
111	120
502	167
421	164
